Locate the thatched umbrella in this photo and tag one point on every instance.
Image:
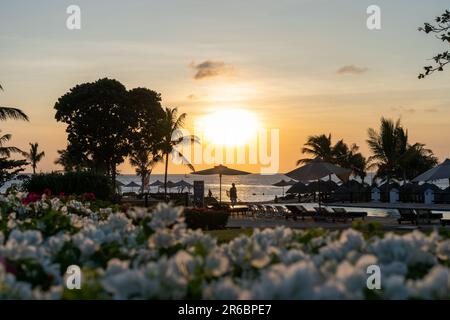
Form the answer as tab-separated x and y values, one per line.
221	171
132	185
119	184
171	184
439	172
299	188
183	184
283	183
317	169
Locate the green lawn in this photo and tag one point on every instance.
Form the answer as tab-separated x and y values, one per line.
229	234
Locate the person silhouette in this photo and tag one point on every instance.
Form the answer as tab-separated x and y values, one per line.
233	194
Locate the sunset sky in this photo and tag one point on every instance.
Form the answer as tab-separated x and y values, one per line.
301	66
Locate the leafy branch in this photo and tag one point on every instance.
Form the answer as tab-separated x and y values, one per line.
441	29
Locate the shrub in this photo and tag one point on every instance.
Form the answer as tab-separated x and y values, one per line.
88	184
205	219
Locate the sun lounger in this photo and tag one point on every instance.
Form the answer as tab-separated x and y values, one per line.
299	211
253	210
281	211
324	214
427	215
266	210
352	214
407	215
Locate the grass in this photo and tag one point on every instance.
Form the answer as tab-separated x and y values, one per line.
227	235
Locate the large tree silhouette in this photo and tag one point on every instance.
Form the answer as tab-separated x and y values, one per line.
103	119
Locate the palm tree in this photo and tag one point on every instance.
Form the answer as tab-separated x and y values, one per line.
6	151
388	146
318	146
358	164
144	161
172	138
11	113
394	156
35	156
9	168
415	160
340	154
350	158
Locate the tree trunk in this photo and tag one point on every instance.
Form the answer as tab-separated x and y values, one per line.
142	183
113	177
165	175
34	169
388	187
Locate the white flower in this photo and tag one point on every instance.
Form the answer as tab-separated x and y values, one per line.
296	281
217	264
225	289
443	250
435	285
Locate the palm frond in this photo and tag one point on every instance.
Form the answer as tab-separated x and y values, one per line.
12	113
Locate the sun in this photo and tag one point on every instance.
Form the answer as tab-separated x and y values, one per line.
229	127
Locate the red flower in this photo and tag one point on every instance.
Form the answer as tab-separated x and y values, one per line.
47	192
31	197
89	196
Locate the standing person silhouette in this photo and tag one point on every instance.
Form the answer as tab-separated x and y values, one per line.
233	194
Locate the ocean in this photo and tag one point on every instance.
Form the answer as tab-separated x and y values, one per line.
250	188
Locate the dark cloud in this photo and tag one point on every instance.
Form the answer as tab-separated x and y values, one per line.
351	69
210	69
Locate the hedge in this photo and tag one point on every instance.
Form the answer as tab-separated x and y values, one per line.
70	183
205	219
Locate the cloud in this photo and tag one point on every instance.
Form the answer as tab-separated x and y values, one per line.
403	109
192	97
352	69
210	69
431	110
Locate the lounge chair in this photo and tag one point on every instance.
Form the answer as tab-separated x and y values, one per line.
427	215
253	210
281	211
325	214
352	214
407	214
295	212
266	211
299	211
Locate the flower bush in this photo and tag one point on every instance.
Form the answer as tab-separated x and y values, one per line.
141	254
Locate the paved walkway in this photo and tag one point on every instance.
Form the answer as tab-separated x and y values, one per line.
387	224
399	205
